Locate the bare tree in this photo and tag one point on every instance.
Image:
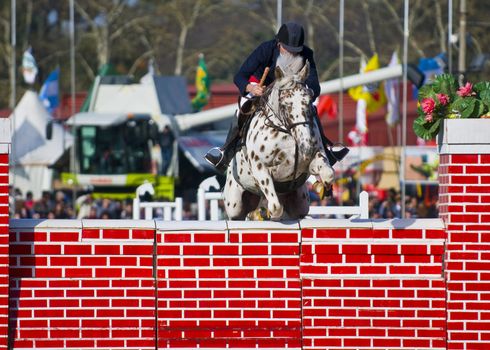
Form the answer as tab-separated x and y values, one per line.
369	26
107	24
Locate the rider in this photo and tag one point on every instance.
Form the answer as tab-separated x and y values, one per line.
288	41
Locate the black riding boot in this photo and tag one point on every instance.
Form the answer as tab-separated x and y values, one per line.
333	156
222	155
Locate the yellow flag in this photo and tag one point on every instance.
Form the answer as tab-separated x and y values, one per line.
373	94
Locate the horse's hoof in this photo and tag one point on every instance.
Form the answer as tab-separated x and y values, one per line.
259	214
328	190
320	189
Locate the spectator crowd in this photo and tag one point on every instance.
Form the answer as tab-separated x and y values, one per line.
58	205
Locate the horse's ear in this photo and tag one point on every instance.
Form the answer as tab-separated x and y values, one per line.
278	73
305	71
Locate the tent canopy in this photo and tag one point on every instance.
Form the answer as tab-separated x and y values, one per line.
29	143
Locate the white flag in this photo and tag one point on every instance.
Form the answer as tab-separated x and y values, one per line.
361	121
148	77
29	67
392	93
361	117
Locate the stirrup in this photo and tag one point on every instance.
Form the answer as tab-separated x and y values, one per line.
340	154
336	156
215	160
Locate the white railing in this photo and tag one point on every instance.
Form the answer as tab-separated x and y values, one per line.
171	210
361	211
204	195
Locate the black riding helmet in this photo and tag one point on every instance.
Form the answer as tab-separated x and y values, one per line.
291	36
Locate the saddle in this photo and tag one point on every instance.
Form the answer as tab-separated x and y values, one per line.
245	113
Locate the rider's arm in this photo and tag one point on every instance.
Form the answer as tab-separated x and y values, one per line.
312	80
257	60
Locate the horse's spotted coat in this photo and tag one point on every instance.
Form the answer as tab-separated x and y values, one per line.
269	154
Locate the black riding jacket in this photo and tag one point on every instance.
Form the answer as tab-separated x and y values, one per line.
265	55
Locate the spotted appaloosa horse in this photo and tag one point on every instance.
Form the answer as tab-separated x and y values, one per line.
282	148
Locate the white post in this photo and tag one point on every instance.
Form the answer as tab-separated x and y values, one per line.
278	15
404	106
73	155
13	88
450	36
214	209
148	213
364	204
201	205
178	209
462	42
136	209
167	213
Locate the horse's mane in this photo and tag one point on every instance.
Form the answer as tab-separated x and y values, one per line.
290	64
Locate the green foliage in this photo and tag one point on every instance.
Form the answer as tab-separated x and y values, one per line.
444	84
424	130
464	106
444	99
426	91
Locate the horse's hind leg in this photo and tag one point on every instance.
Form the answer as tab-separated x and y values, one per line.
297	203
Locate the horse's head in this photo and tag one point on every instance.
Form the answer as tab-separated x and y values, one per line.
293	101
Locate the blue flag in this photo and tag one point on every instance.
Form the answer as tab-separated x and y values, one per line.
49	93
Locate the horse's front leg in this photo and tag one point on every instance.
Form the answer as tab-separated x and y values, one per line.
320	167
266	185
234	205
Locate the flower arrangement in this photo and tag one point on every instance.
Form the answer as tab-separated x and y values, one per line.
444	99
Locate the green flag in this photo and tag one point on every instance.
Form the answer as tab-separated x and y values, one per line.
202	85
106	69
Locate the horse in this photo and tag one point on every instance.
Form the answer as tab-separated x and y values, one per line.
281	149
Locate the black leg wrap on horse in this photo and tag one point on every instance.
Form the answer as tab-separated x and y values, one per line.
333	156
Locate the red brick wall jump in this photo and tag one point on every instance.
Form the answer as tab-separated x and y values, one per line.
4	257
373	285
237	288
74	286
322	284
464	194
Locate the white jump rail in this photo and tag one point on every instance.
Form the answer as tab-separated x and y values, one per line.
361	211
203	195
171	210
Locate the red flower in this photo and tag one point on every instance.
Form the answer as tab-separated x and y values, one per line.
443	99
465	90
428	105
429	118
